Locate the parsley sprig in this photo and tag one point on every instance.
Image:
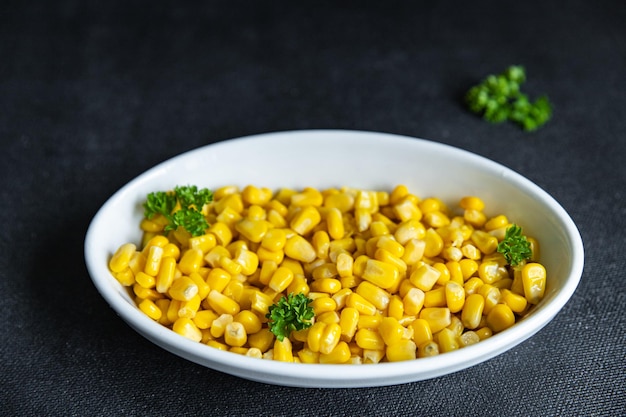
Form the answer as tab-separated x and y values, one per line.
499	98
181	207
290	313
515	247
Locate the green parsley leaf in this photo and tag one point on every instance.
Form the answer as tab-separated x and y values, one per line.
190	199
515	247
499	98
290	313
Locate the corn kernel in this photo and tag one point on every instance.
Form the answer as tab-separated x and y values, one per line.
437	318
283	350
534	282
468	268
150	309
339	354
455	296
447	340
190	307
434	243
222	304
281	278
298	248
186	327
517	303
404	350
369	339
323	304
428	349
218	279
421	331
327	285
204	319
425	277
500	317
121	258
235	334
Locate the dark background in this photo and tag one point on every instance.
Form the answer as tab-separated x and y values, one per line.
92	93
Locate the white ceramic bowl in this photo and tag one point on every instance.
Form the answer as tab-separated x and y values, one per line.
331	158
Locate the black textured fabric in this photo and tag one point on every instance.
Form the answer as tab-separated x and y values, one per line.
92	93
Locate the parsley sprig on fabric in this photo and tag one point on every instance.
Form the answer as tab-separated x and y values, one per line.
289	314
515	247
498	98
181	207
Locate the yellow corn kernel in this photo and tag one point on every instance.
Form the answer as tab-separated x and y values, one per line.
404	350
424	277
261	340
228	216
435	297
281	278
472	285
472	203
468	267
344	264
298	248
363	219
328	317
274	239
183	289
491	295
212	258
348	321
204	243
306	355
468	338
222	304
204	319
125	277
414	251
122	256
369	321
330	337
234	290
218	327
309	196
172	311
323	270
153	260
327	285
374	294
158	240
254	195
391	245
185	327
475	218
408	230
341	296
534	282
434	243
455	296
323	304
484	333
314	336
381	273
369	339
491	272
456	325
298	285
378	228
222	233
150	226
145	280
516	302
445	273
399	192
253	230
387	257
149	293
248	260
342	201
437	317
473	311
471	252
163	304
456	273
427	349
150	309
413	301
497	222
235	334
334	222
217	345
190	307
191	261
421	331
392	331
447	340
363	306
429	205
250	321
436	219
260	302
500	317
484	241
218	279
230	266
283	350
340	354
452	253
406	209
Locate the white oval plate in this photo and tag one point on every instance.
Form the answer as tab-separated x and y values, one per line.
333	158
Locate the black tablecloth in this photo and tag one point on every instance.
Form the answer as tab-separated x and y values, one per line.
94	93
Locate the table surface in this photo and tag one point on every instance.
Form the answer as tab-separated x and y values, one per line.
94	93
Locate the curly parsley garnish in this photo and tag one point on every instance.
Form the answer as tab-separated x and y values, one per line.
515	247
181	207
290	313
